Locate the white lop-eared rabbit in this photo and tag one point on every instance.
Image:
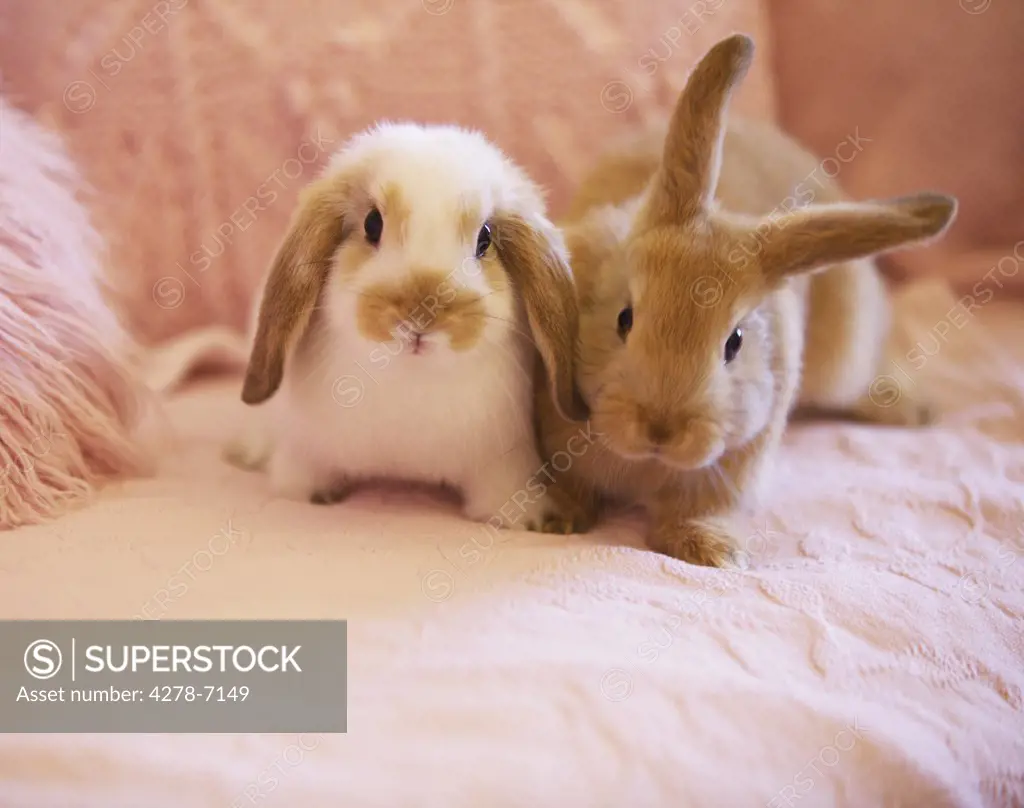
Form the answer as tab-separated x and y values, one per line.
419	289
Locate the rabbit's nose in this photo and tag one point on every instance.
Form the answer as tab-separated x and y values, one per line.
658	432
418	342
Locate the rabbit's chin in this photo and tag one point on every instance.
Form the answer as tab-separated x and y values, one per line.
676	461
697	448
693	460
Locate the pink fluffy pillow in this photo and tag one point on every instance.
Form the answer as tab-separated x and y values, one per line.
68	402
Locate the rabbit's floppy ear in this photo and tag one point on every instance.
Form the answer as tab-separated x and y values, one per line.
821	235
297	274
692	157
534	255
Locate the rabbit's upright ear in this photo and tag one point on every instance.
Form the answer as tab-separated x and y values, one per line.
297	274
822	235
692	156
534	255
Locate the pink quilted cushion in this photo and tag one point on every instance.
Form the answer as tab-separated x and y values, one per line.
199	121
67	400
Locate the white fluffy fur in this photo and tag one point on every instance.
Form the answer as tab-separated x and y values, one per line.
370	410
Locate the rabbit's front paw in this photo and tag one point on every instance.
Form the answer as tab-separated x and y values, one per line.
566	515
696	541
558	523
509	512
556	515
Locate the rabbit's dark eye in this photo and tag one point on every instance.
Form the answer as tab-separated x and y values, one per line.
374	226
483	241
625	321
733	344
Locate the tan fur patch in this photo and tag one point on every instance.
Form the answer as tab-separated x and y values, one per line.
494	273
429	302
395	211
535	261
322	221
688	173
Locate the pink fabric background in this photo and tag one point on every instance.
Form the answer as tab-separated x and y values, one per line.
199	117
937	87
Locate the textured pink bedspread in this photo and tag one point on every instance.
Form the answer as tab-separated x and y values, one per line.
870	655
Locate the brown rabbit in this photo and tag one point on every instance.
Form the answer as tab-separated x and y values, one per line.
708	314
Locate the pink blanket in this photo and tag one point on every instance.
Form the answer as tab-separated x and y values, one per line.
871	654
